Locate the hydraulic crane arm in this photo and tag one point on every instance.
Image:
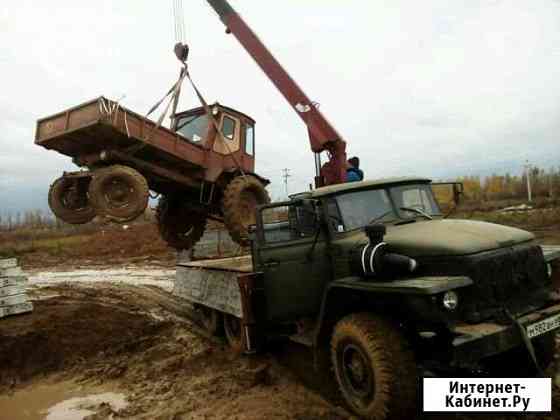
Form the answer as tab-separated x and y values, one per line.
322	135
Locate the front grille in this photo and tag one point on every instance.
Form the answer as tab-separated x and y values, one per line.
514	278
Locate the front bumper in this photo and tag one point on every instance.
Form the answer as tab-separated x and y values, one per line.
473	342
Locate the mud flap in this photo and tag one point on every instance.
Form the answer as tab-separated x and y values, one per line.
526	341
250	293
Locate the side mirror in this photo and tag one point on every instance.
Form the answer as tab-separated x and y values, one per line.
454	191
458	190
304	216
309	205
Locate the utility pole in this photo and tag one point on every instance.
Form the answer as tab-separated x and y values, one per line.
286	175
528	175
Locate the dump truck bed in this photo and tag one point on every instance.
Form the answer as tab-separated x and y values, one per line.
213	283
102	124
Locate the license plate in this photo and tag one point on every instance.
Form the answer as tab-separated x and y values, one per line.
544	326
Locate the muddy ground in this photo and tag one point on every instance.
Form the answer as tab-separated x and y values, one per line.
108	340
136	341
116	344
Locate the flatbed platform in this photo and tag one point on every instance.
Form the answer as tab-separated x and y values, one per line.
213	283
102	124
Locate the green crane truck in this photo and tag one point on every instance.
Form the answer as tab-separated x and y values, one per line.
375	273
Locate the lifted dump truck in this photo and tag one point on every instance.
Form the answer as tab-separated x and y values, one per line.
372	272
201	173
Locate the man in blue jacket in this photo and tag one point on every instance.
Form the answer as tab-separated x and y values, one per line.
353	172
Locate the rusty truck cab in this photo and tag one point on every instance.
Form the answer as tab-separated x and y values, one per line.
237	142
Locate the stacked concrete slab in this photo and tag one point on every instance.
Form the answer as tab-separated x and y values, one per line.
13	299
215	243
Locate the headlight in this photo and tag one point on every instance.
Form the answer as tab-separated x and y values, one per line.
549	270
450	300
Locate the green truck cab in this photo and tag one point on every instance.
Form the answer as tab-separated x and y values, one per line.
375	273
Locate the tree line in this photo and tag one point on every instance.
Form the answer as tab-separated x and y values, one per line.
35	219
544	185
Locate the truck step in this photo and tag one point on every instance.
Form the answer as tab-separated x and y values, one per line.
305	338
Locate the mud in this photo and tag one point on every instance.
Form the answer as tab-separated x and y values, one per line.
137	341
92	345
60	400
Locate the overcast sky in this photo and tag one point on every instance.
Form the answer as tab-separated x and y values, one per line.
436	88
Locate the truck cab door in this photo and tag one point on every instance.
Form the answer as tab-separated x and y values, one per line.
291	252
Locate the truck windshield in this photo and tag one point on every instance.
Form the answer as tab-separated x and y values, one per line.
357	209
413	200
193	127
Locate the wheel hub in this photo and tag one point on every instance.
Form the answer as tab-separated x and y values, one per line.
356	371
74	200
118	193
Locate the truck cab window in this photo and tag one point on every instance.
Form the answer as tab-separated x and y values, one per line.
287	223
335	220
249	139
193	127
228	127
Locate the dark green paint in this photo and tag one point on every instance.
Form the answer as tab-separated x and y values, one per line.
426	285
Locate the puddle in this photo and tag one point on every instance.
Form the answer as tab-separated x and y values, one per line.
132	276
80	407
57	401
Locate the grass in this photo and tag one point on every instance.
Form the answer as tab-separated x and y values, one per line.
101	244
51	246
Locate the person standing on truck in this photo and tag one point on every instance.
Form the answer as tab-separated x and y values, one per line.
353	172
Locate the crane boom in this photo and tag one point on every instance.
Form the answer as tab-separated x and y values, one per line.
322	135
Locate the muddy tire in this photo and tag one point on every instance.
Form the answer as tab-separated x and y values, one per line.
241	197
374	367
233	330
119	193
179	226
68	200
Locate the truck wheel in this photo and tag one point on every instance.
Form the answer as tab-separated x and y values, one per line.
241	198
119	193
180	227
233	330
69	202
374	367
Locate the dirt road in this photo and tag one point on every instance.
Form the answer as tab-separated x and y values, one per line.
116	344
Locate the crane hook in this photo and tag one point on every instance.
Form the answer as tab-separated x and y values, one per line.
182	52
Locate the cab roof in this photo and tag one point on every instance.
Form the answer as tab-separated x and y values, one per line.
201	110
361	185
